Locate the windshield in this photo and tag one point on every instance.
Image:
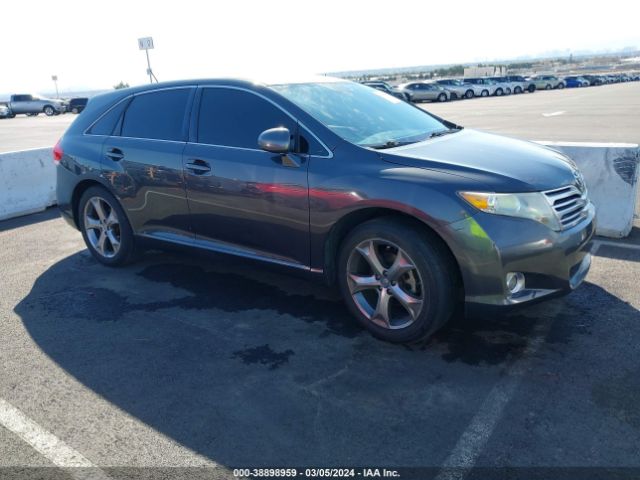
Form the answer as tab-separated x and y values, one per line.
362	115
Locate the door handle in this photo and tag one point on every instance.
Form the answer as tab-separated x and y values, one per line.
198	167
115	154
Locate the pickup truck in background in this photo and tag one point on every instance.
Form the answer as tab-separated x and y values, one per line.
33	105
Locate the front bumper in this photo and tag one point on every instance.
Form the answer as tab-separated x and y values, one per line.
487	247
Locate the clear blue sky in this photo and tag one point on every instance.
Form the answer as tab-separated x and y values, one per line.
93	44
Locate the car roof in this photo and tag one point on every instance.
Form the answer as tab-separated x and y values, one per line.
265	80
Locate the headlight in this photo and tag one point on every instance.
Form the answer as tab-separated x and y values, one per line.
533	206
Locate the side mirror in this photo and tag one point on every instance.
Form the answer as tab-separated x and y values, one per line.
275	140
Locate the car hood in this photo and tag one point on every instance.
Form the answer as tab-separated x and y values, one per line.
500	163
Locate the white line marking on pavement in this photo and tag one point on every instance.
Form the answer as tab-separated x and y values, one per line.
553	114
473	440
47	444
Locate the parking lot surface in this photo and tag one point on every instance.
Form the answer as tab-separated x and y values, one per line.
183	360
22	132
607	113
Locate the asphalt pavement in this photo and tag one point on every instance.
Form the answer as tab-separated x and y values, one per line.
606	113
22	132
184	361
186	365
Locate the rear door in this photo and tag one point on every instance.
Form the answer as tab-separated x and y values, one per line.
243	199
142	160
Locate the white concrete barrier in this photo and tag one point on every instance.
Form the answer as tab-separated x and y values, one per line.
611	173
27	182
611	170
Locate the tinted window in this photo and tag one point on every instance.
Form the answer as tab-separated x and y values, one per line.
109	120
236	118
157	115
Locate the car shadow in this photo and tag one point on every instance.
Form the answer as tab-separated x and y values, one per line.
29	219
250	367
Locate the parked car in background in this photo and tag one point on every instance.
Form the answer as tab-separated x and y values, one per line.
594	79
5	112
413	216
514	86
575	82
459	89
488	87
33	105
547	82
507	87
525	84
422	91
76	105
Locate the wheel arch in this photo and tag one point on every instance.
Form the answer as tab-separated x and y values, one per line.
81	187
352	220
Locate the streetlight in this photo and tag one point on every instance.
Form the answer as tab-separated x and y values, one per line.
55	81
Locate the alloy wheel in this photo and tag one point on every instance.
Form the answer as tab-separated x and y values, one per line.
102	227
385	284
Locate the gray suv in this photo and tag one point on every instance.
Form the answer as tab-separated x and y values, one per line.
406	213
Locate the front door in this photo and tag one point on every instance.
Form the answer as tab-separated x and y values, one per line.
242	199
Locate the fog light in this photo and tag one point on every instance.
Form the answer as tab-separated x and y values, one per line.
515	282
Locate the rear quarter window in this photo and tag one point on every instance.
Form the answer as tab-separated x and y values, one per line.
157	115
107	123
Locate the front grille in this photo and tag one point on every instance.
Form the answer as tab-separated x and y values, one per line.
569	203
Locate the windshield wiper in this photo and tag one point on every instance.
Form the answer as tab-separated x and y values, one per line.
389	144
440	133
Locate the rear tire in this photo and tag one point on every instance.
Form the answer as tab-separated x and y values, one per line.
499	92
442	97
485	93
415	284
560	86
548	87
532	88
105	228
517	90
469	94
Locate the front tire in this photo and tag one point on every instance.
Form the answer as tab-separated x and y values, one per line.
49	111
398	281
469	94
442	97
485	93
532	88
105	228
517	90
499	92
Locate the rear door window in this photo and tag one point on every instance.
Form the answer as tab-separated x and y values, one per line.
157	115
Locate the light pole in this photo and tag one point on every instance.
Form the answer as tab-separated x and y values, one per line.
55	81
